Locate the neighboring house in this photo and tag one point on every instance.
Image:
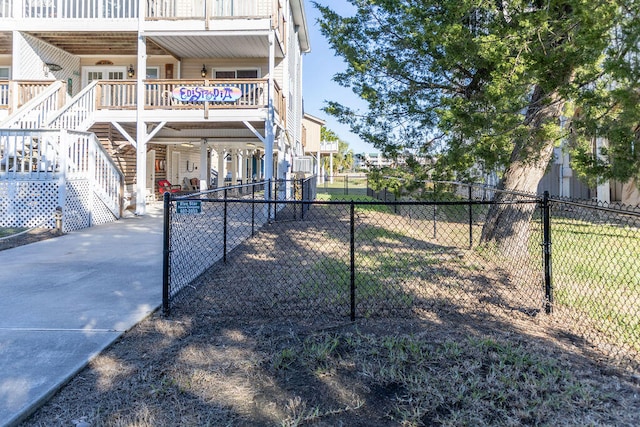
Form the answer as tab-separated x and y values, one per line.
99	100
561	181
315	147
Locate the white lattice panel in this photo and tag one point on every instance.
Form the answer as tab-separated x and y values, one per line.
101	214
77	212
31	204
28	203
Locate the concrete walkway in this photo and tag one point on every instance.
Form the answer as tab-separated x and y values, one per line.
64	300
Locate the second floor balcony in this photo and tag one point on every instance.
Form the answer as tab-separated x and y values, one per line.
160	94
129	10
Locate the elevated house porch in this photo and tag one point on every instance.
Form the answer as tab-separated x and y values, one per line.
146	51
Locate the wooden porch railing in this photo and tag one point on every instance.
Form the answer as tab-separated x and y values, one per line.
122	94
199	9
15	93
45	101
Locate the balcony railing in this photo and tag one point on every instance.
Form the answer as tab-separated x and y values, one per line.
128	9
122	95
69	9
14	93
199	9
158	94
329	146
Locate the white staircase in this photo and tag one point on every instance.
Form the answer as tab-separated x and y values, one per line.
47	139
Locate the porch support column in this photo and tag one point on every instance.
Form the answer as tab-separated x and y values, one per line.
221	172
204	165
258	166
269	123
249	163
234	166
141	127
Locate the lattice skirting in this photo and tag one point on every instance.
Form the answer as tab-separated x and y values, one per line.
31	204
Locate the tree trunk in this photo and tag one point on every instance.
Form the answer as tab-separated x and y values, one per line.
508	225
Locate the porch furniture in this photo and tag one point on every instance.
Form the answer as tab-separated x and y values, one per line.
191	184
165	186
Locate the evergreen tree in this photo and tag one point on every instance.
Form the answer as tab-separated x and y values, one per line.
488	81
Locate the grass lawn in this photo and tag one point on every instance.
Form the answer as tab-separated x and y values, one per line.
596	272
507	368
4	231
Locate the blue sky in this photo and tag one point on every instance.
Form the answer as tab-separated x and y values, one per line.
319	66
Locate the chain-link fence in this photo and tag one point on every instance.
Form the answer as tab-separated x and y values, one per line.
272	251
345	184
596	276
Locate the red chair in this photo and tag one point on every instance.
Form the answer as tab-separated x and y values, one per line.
165	186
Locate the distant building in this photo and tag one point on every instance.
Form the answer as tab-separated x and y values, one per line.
314	147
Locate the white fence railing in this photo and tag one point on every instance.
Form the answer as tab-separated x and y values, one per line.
199	9
79	114
40	155
73	9
329	146
28	154
129	9
6	8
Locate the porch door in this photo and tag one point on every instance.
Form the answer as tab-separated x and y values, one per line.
174	178
112	95
103	72
151	172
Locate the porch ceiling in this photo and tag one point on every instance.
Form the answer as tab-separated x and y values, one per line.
5	43
214	46
91	43
126	43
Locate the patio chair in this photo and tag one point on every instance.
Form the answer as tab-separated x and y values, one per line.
165	186
191	184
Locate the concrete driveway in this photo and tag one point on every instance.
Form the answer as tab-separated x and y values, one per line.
63	300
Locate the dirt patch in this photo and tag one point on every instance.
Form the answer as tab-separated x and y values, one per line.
435	366
31	236
195	370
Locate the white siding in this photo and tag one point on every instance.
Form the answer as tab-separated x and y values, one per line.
32	54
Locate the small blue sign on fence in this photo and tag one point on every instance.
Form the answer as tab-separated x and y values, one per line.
188	206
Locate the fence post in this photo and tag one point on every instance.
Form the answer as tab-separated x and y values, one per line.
165	253
546	245
352	265
302	198
276	188
224	229
268	192
253	209
346	185
435	211
470	217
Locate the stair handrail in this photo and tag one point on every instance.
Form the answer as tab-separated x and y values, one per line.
106	178
78	113
45	103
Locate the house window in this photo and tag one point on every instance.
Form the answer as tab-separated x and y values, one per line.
4	73
153	73
237	74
